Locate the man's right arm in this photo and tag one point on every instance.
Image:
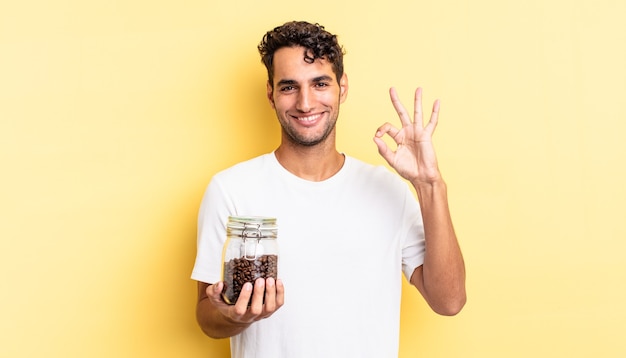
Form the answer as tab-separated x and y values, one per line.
221	320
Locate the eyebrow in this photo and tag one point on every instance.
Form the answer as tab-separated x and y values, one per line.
314	80
322	78
286	82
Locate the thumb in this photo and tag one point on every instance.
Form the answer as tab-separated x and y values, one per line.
215	289
383	149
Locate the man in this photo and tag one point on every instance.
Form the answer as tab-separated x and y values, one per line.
346	228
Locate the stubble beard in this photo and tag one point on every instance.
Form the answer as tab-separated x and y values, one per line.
298	139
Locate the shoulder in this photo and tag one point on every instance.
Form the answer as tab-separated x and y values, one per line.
255	165
242	176
361	170
375	179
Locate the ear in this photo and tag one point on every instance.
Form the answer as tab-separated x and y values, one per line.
343	88
270	94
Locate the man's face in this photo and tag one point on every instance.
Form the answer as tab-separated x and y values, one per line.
305	96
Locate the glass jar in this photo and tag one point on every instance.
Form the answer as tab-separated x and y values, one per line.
250	252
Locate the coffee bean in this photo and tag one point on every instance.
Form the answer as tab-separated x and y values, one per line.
238	271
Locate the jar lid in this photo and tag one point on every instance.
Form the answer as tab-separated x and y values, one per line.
252	226
241	221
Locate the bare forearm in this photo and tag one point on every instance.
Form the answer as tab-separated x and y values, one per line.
442	277
220	320
212	322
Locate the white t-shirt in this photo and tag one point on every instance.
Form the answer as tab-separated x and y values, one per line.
342	245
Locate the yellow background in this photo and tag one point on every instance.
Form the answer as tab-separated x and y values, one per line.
114	115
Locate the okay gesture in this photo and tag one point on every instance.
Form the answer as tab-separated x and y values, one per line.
414	158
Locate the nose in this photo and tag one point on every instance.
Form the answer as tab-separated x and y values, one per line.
305	100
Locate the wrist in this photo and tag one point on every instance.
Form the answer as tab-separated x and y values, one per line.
429	183
430	190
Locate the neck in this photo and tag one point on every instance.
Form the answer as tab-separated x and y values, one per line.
315	163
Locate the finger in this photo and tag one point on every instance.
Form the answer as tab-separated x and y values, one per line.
270	295
418	107
384	150
434	116
280	293
405	119
256	307
241	306
214	291
389	129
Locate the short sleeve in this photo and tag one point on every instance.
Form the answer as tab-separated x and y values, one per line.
414	247
211	233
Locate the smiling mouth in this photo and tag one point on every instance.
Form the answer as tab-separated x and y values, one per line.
309	119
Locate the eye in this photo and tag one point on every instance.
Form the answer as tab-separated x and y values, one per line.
287	88
321	84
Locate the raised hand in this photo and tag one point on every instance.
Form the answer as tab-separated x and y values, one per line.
414	158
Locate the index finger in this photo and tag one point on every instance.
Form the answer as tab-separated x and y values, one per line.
241	306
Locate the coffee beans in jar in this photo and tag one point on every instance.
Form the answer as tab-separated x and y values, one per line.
238	271
250	252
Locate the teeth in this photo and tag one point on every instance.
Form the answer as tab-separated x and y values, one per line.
309	118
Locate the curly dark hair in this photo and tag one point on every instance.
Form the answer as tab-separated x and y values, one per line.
318	43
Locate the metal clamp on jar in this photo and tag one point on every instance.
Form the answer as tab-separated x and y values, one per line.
250	252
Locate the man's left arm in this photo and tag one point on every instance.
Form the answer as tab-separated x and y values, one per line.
441	279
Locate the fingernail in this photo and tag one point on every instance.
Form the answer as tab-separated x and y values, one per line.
247	286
